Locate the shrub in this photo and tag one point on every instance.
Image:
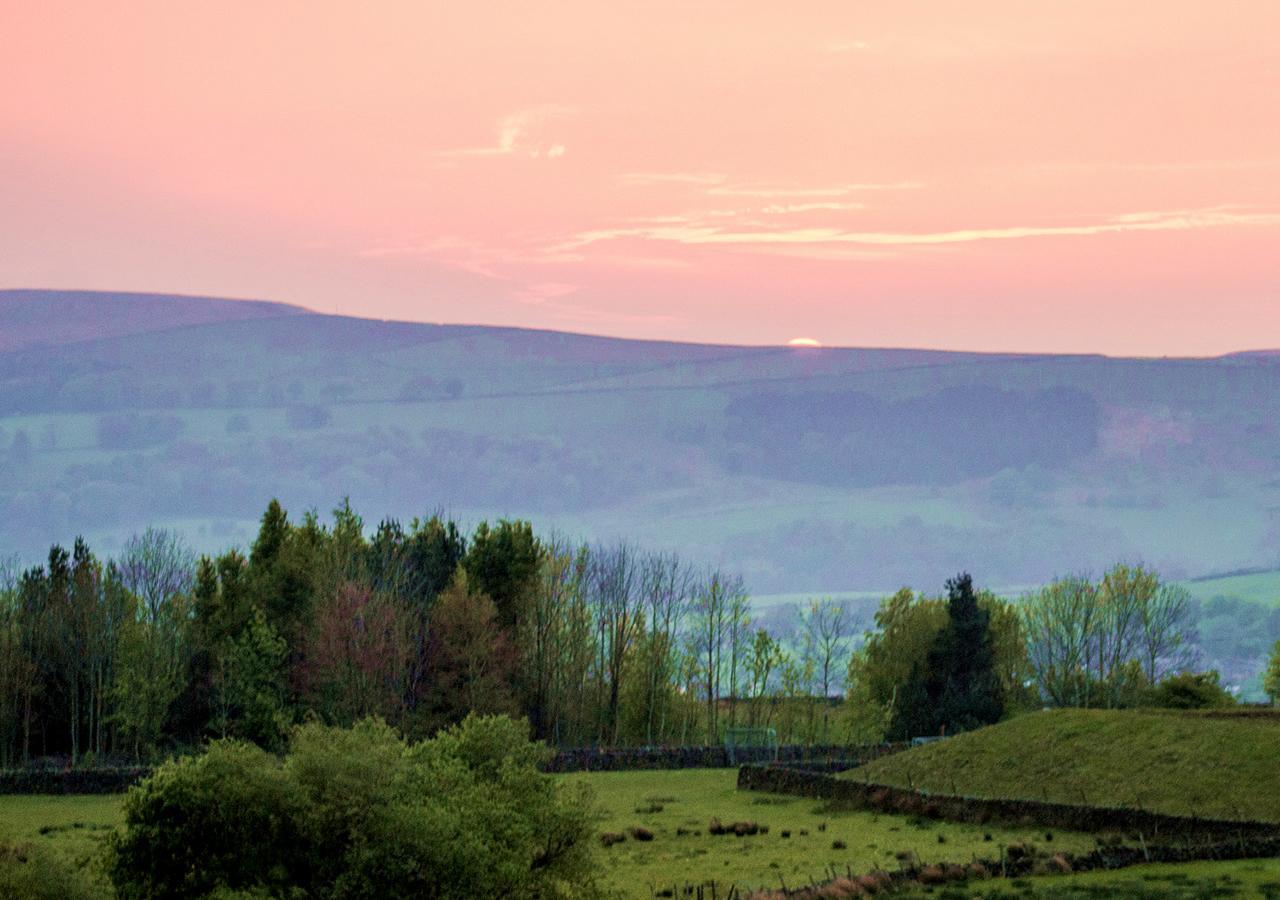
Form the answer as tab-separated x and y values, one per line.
358	813
1190	690
224	819
31	872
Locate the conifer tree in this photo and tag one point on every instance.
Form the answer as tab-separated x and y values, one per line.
963	687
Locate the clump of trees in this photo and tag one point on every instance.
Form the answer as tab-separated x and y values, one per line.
419	625
938	665
359	812
1107	643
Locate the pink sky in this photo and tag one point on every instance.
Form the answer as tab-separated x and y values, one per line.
1083	175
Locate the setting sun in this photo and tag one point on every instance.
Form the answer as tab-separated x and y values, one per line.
803	342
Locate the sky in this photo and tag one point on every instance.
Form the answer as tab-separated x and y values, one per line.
1027	175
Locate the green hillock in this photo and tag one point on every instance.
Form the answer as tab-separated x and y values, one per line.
1211	764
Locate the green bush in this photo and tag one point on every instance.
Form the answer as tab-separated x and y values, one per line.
1190	690
353	813
224	819
31	872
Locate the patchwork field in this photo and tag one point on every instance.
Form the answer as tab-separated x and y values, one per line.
665	802
1179	763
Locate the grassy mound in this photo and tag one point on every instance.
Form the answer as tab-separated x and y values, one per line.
1211	765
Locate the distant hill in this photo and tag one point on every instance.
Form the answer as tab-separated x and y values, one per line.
1179	763
807	469
49	318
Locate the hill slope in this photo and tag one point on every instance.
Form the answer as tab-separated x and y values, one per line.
35	318
1182	763
805	469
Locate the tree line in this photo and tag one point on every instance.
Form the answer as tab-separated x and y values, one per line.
419	625
593	643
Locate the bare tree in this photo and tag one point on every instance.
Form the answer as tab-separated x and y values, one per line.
739	626
827	629
1166	616
712	602
155	567
10	569
537	638
666	587
614	577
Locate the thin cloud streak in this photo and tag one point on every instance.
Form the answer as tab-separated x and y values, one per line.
1176	220
770	191
695	178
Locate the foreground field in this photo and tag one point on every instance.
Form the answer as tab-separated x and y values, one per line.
661	802
1179	763
667	801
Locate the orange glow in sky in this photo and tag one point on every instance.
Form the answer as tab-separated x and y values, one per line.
1062	175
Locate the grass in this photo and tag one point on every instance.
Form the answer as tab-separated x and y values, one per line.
664	802
1179	763
73	826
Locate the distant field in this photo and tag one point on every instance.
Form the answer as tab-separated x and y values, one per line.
1180	763
1258	587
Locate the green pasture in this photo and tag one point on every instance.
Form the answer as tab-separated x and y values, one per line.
666	802
662	802
1178	763
1256	587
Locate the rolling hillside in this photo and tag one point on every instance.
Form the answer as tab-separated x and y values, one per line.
1179	763
806	469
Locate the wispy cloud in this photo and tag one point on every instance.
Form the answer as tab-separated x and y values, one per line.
513	136
694	178
845	46
782	191
455	252
540	293
783	209
708	234
718	184
1175	168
